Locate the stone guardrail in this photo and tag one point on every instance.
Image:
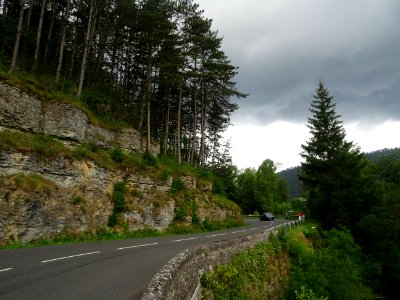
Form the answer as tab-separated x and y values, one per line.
180	277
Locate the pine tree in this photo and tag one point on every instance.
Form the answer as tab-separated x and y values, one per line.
333	171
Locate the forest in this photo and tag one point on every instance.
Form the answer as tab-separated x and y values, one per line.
156	65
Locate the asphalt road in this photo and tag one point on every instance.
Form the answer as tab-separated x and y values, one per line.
102	270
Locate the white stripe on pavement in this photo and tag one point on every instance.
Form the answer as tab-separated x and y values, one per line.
240	231
71	256
137	246
219	234
193	238
4	270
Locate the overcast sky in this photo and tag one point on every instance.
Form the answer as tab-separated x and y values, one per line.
284	47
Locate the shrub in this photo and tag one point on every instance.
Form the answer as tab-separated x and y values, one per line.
118	198
117	154
180	214
149	158
177	185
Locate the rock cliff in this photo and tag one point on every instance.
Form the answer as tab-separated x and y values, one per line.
42	196
22	111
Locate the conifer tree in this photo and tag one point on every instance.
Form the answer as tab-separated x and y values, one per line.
332	173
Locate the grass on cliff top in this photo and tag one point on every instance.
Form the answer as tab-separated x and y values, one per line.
47	147
40	144
175	228
47	89
27	182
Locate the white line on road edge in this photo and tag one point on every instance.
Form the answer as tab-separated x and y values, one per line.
240	231
193	238
72	256
255	228
219	234
4	270
137	246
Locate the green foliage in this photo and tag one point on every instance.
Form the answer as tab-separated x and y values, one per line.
177	185
249	274
78	199
330	266
224	202
118	198
31	183
150	159
303	263
333	172
195	217
90	151
43	145
307	294
262	189
378	232
117	154
180	214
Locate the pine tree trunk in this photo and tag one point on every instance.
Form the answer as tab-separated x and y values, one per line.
62	43
193	139
178	126
86	49
148	97
166	127
17	39
71	67
148	148
50	33
29	15
38	37
214	149
203	125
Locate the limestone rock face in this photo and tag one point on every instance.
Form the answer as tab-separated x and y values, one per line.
19	110
42	198
66	121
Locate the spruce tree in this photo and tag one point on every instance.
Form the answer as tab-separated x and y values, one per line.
332	173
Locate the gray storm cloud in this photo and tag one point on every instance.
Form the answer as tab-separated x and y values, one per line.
284	47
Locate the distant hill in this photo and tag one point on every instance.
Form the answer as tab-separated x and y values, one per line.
376	154
291	174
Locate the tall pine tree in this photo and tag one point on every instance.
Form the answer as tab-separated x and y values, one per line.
333	171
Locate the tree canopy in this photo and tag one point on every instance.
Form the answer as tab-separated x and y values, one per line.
333	171
156	65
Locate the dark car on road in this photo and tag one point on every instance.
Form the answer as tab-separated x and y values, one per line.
267	216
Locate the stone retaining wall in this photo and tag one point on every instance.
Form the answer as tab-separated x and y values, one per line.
180	277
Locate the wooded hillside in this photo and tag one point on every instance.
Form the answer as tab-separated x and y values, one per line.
157	65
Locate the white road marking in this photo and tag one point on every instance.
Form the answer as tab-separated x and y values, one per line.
219	234
255	228
137	246
4	270
193	238
71	256
240	231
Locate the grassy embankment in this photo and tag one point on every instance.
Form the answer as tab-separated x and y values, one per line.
302	263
